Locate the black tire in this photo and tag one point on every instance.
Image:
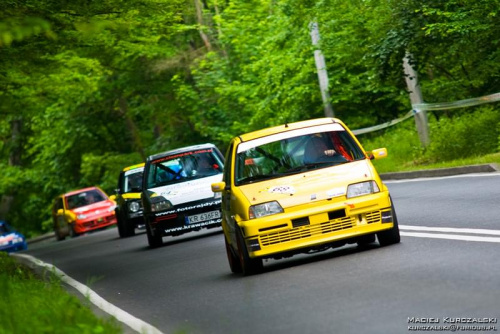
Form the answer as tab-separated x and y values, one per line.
391	236
154	240
129	228
72	232
234	261
125	227
121	226
365	240
248	265
59	235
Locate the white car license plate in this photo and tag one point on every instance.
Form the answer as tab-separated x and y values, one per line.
203	217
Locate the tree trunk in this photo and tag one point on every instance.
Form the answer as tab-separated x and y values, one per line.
219	30
199	16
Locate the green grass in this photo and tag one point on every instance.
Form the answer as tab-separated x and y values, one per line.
386	166
31	305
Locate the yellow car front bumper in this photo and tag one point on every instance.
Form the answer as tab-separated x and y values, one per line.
317	223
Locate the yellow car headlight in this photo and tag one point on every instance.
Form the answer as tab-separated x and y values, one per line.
264	209
363	188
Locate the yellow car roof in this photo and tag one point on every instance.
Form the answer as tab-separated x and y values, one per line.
133	167
287	127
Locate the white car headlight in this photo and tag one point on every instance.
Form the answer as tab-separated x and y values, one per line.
264	209
134	206
363	188
81	216
160	204
112	208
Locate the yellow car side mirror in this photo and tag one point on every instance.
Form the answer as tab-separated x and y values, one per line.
378	153
218	187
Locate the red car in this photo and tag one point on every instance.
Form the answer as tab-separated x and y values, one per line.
81	211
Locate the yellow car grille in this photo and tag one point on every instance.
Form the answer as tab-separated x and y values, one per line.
373	217
338	224
308	231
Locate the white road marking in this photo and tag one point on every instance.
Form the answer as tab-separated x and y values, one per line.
443	233
450	237
128	319
450	229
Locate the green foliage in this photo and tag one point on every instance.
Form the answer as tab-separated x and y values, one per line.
466	135
56	310
87	90
454	46
17	29
263	76
353	35
402	143
103	170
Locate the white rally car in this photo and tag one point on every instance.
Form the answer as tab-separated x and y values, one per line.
177	195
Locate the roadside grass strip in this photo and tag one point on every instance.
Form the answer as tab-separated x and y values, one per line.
451	233
121	315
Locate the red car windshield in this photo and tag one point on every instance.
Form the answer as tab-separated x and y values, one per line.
84	198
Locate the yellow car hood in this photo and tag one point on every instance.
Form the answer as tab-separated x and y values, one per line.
310	186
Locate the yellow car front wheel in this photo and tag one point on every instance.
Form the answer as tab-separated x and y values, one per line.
234	261
249	266
391	236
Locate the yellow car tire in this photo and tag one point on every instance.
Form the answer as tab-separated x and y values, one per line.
391	236
249	266
234	261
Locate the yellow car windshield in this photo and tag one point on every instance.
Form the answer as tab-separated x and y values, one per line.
294	154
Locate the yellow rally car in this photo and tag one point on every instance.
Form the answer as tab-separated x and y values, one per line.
129	211
298	188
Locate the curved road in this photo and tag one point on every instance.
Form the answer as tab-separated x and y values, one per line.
446	267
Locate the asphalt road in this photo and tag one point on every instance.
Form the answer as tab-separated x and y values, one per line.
446	267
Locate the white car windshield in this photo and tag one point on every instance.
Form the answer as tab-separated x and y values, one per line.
183	167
